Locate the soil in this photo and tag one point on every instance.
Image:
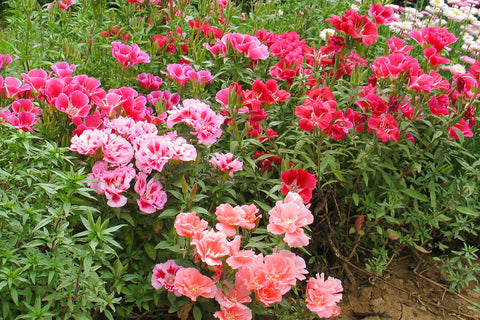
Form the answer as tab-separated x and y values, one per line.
405	292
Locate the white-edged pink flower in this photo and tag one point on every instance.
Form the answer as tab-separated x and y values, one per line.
163	276
152	197
225	163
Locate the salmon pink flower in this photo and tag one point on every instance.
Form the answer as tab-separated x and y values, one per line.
231	217
385	127
323	296
163	276
129	55
299	181
188	224
210	246
152	197
192	284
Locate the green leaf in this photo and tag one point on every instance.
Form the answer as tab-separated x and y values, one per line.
414	194
197	313
150	250
467	211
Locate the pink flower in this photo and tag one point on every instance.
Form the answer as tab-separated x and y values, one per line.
117	150
247	44
394	65
37	79
385	127
289	217
463	127
14	87
152	197
231	217
88	142
5	60
210	246
63	69
149	81
397	45
163	275
74	105
381	14
153	153
299	181
435	37
433	58
188	224
181	73
225	163
112	182
129	55
205	122
323	296
191	283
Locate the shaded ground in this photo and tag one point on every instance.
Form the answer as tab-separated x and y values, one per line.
404	293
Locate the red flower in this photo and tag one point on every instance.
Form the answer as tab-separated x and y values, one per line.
358	27
385	127
299	181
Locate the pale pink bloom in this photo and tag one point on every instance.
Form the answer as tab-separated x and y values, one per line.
188	224
210	246
286	267
153	153
250	218
163	275
112	182
323	296
88	142
238	258
205	122
74	105
117	150
225	163
130	129
192	284
288	217
63	69
182	150
152	197
129	55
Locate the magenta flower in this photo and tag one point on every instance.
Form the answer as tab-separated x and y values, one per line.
149	81
247	44
385	127
152	197
129	55
63	69
5	60
163	275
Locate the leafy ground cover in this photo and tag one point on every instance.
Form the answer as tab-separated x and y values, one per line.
234	160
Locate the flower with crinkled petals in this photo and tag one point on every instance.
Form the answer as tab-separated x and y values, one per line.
188	224
117	150
224	162
299	181
229	218
210	246
323	296
289	217
163	276
152	197
88	142
435	37
192	284
153	153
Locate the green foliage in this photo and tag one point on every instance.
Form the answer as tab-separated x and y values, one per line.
47	269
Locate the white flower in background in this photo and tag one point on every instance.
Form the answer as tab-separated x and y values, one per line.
280	12
325	33
454	14
433	10
468	39
355	7
457	68
468	60
411	12
473	30
438	3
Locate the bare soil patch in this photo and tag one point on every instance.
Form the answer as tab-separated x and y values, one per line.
407	291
